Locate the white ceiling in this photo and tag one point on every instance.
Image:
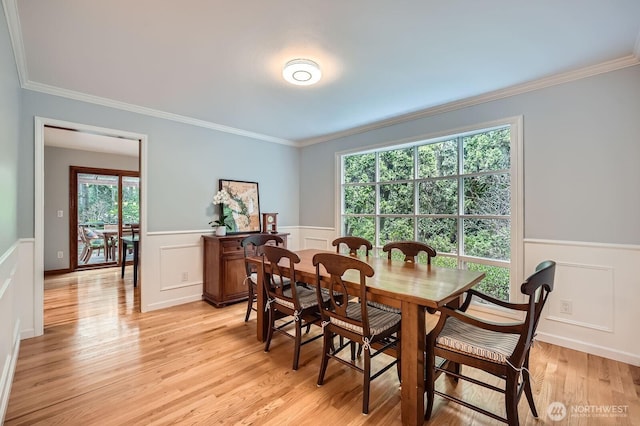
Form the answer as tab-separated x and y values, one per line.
218	63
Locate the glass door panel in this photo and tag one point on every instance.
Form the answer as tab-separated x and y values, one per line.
130	210
98	218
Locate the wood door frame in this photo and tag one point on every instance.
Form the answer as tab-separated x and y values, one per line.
73	209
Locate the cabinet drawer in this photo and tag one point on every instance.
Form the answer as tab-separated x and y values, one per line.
231	246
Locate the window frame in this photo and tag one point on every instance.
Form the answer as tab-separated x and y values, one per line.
516	269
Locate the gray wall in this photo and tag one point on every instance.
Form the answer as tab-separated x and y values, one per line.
56	195
9	139
184	164
581	153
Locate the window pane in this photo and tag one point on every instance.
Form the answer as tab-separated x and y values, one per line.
130	199
396	198
360	227
439	233
97	199
495	283
438	196
360	199
487	151
488	238
396	165
438	159
360	168
488	195
395	229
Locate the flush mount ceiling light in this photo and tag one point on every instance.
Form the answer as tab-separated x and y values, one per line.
302	72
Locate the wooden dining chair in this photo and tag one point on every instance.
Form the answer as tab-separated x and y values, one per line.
295	303
90	241
499	349
410	249
357	322
354	244
251	246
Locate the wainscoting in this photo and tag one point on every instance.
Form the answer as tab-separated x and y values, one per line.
597	283
175	259
593	307
9	323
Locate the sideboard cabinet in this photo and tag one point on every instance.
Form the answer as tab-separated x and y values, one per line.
224	272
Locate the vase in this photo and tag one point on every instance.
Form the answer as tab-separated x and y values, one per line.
221	231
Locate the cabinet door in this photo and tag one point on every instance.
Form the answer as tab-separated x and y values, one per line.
234	274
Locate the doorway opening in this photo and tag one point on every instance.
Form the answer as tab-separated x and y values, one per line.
42	214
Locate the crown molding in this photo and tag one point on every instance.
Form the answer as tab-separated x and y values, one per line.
15	34
56	91
542	83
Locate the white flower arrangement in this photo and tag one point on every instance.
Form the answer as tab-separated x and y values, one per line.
221	197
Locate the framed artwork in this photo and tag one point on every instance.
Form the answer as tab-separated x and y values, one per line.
242	211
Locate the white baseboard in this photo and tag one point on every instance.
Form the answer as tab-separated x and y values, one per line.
590	348
173	302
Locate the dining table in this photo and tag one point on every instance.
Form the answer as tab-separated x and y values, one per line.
109	237
412	287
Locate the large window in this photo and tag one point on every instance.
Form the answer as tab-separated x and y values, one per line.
454	193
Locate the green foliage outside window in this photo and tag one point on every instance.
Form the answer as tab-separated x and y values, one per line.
496	281
472	196
98	203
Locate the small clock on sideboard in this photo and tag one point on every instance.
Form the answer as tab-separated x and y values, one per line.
270	222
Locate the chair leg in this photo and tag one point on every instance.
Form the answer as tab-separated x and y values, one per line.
352	346
429	385
326	344
399	357
270	331
83	255
455	367
511	397
367	381
527	387
298	343
249	301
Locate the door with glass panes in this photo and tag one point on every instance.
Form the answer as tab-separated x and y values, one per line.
105	205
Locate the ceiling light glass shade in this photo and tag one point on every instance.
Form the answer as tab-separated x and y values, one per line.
302	72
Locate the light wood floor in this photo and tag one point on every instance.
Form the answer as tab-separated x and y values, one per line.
100	362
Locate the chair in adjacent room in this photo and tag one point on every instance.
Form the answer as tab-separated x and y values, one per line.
499	349
251	246
358	322
90	242
288	303
354	244
410	249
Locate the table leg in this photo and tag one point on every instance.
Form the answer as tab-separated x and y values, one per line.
261	321
412	371
135	264
106	248
124	256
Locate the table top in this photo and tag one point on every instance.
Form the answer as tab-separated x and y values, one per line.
417	283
